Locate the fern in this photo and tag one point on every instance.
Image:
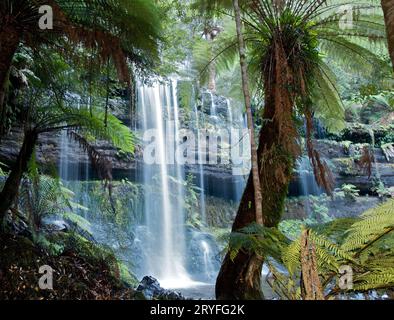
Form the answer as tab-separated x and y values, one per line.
262	240
375	278
43	196
353	48
366	246
375	224
328	106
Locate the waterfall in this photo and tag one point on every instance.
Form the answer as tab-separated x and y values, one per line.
213	105
376	163
307	181
69	172
209	269
64	151
164	185
229	112
200	153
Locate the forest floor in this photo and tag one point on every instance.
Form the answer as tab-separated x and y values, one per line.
80	271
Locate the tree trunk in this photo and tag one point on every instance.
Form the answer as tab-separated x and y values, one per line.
241	278
311	288
388	9
9	40
245	87
11	187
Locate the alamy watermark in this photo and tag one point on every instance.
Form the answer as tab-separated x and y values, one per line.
46	281
46	20
345	280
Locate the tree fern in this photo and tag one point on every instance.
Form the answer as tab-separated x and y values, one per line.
352	47
43	196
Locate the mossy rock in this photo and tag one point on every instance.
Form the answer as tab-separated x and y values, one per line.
374	110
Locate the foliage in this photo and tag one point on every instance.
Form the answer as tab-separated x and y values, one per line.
192	202
108	31
315	27
44	197
379	188
125	209
350	191
364	244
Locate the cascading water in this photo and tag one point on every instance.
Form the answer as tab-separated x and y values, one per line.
376	163
200	164
64	151
229	112
307	181
213	110
70	172
209	269
164	214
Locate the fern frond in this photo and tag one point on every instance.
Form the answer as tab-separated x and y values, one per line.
375	224
374	279
328	106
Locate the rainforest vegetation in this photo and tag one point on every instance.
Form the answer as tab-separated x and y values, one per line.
199	149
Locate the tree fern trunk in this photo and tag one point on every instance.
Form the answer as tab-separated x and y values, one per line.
11	187
388	9
245	88
240	278
9	40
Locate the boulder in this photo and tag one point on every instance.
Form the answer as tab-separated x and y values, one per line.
150	288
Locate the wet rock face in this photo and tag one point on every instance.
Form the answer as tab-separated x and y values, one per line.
203	255
49	152
220	103
297	208
150	288
343	159
362	133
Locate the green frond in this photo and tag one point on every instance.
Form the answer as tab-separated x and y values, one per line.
80	221
120	19
328	245
352	56
375	224
329	256
292	256
327	104
374	279
266	242
115	131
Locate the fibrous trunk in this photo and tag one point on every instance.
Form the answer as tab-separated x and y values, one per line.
9	40
11	186
240	278
311	288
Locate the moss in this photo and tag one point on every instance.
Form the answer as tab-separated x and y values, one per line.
126	276
347	166
346	146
